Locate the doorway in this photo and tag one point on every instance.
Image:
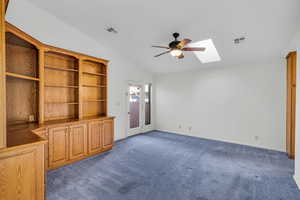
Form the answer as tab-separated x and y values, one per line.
139	108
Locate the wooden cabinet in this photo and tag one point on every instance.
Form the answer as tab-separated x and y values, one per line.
22	173
108	133
78	141
291	104
58	146
95	136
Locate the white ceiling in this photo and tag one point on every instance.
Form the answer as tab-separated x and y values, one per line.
268	26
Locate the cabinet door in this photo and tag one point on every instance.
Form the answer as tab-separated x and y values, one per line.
108	133
95	136
78	141
22	174
58	146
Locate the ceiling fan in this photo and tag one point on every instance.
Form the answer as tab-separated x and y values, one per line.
176	47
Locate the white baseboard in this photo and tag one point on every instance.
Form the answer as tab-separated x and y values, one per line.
297	180
220	139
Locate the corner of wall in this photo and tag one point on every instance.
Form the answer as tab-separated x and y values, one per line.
297	180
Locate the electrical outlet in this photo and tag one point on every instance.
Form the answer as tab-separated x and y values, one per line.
256	138
179	126
31	118
190	128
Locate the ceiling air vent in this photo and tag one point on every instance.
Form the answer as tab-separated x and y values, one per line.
239	40
111	30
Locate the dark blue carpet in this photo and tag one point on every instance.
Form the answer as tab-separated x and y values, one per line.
163	166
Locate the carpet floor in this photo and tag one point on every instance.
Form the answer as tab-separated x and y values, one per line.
163	166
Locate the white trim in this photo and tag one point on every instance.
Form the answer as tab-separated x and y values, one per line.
221	140
297	180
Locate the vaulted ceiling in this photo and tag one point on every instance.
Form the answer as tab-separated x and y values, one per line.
268	26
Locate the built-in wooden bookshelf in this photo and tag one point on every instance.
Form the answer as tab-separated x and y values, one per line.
22	76
61	86
46	83
94	94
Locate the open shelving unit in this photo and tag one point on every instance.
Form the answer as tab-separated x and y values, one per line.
47	84
22	80
61	86
94	94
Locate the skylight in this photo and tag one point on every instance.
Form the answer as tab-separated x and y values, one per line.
210	54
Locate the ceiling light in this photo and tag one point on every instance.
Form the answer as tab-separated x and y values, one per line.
176	52
210	54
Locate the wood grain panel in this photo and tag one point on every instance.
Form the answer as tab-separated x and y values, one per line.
22	100
21	60
95	136
93	67
2	77
93	80
58	146
92	109
60	78
78	141
291	104
108	133
54	95
62	61
18	178
60	111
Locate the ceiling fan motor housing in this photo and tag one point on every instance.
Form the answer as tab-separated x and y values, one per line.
173	45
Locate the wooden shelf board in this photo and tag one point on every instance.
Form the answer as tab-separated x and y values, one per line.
61	69
62	86
22	76
95	74
94	100
97	86
69	103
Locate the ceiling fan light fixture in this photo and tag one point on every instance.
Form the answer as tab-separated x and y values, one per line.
176	52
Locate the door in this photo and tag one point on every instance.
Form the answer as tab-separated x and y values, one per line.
58	146
134	109
108	133
95	136
291	104
78	141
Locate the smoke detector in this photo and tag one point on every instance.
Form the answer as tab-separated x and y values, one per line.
111	30
239	40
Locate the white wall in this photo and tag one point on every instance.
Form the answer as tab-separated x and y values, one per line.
50	30
233	104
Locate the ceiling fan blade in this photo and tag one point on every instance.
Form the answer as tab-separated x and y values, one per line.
183	43
180	56
193	49
161	47
162	53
